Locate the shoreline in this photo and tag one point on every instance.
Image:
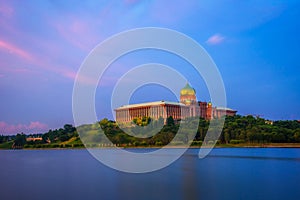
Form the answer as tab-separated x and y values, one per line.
254	145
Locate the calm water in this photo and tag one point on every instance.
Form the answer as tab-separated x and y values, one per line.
242	173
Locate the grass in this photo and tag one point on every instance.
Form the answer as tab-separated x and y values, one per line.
6	145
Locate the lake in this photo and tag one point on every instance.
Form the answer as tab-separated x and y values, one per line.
226	173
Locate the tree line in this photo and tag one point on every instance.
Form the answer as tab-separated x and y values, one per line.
237	130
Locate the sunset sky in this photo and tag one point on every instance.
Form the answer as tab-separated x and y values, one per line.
255	44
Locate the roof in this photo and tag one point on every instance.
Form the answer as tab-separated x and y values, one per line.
155	103
187	90
223	108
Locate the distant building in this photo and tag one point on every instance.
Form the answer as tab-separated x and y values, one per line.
270	122
217	112
155	110
34	139
187	107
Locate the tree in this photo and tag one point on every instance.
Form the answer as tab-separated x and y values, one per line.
297	135
170	121
227	137
69	128
20	140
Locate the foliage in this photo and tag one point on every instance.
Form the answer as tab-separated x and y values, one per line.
19	141
256	130
60	135
237	130
142	121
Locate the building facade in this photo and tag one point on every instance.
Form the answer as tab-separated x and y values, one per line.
155	110
187	107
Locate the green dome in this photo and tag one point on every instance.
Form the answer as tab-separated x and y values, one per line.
187	90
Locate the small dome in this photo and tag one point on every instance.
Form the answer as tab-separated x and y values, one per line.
187	90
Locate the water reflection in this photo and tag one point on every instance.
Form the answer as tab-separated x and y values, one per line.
224	174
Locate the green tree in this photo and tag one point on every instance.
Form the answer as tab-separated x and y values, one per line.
20	140
170	121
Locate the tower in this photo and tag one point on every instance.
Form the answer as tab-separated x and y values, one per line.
188	95
209	113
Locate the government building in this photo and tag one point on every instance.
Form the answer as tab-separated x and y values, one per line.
187	107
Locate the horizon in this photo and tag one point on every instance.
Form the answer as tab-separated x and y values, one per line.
254	45
42	133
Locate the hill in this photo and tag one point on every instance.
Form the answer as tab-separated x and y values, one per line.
237	131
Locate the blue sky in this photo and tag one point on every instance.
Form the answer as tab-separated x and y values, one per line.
255	45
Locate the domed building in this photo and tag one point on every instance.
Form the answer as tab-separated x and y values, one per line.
188	95
187	107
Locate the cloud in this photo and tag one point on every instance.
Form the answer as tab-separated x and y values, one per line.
15	50
81	78
104	81
78	32
36	125
35	60
33	127
215	39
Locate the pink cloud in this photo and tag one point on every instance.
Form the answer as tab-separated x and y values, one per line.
71	29
33	127
104	81
40	63
215	39
37	125
15	50
82	79
37	60
77	32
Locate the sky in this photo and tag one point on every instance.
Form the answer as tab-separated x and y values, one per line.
255	45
